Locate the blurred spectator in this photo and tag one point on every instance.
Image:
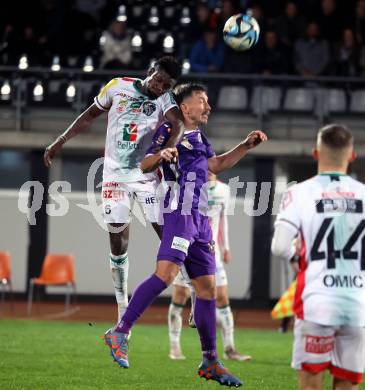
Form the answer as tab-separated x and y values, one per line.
271	58
257	13
330	21
359	22
290	25
207	54
311	53
92	8
228	8
201	22
28	44
347	55
116	48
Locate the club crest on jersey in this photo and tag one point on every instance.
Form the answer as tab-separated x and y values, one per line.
148	108
185	142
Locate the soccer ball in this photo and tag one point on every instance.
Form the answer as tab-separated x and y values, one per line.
241	32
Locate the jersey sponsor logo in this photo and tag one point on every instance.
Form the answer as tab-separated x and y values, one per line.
343	281
339	205
128	97
130	132
148	108
319	344
122	105
113	194
151	200
180	244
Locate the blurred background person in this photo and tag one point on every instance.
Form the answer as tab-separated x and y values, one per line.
347	55
207	54
272	57
116	47
312	54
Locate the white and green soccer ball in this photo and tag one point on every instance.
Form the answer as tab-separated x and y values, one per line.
241	32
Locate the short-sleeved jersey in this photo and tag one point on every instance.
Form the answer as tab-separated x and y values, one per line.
218	199
328	212
132	119
192	168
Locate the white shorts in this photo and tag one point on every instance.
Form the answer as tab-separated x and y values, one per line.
341	349
118	200
220	275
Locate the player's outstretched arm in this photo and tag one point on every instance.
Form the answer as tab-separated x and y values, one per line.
150	163
175	118
227	160
82	122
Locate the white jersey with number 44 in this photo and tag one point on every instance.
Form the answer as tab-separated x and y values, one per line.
328	213
132	119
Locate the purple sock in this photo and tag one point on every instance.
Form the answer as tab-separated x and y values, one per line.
204	316
142	297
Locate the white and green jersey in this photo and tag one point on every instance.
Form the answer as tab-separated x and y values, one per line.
328	213
132	119
218	200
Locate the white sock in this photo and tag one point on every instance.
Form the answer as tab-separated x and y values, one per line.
225	321
119	266
175	324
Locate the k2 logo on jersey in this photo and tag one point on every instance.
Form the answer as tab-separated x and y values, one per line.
130	132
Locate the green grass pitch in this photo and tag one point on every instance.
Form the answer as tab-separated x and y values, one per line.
60	355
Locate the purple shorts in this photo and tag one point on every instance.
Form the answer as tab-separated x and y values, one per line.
187	239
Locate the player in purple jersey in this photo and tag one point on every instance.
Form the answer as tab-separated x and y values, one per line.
187	236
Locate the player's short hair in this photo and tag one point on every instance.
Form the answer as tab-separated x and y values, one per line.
184	91
335	136
170	65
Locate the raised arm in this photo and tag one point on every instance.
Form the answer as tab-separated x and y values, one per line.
82	122
175	118
227	160
150	163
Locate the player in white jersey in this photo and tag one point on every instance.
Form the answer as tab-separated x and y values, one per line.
218	199
327	213
135	109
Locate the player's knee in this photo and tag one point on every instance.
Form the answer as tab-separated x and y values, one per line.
207	292
167	275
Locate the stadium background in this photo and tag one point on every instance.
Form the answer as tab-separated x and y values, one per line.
45	82
55	56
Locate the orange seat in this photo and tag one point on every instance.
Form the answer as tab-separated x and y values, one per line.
5	276
5	273
57	270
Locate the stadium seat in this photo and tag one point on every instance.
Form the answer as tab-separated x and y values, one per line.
232	98
331	100
299	99
5	274
265	99
357	103
57	270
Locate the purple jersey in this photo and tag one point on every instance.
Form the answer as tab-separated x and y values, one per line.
194	151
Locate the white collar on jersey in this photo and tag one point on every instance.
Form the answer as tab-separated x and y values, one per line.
191	131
